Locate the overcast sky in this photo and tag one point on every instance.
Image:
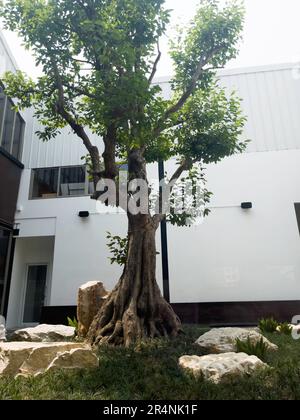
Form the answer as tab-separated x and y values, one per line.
271	35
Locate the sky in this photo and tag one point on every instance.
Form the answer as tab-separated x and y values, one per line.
271	35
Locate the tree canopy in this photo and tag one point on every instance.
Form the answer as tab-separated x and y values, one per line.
99	59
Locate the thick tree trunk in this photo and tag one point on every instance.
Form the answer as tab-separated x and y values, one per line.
135	309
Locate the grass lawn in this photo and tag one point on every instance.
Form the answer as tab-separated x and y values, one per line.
151	372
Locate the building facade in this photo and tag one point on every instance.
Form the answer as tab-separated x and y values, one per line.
12	126
241	264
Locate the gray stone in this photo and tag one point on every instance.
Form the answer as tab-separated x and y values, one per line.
223	340
44	333
219	368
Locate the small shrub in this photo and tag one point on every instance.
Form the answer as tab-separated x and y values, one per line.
268	325
73	323
118	247
285	329
258	349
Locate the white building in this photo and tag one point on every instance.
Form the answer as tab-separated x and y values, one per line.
238	266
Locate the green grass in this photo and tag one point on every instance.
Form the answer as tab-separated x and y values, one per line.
151	372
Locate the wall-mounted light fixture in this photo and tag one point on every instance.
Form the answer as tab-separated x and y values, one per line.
246	206
16	230
84	214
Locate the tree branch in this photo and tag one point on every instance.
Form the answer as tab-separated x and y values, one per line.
186	95
81	92
154	70
77	128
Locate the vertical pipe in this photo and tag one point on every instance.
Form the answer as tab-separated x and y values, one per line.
164	244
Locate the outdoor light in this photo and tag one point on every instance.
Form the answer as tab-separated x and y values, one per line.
16	230
247	206
84	214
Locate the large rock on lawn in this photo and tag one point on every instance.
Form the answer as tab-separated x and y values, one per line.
219	368
91	297
31	359
223	340
44	333
74	359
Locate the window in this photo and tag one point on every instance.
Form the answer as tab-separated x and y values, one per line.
60	182
45	183
72	181
11	127
8	127
2	110
18	136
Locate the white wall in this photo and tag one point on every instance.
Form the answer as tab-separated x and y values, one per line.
270	101
27	251
235	255
7	62
242	255
80	252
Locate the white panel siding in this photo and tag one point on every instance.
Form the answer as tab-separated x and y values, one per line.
64	150
7	62
271	102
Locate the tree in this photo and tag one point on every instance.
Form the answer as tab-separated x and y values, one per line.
99	60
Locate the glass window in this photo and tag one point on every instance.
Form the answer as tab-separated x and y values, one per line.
72	181
2	108
18	135
60	182
45	183
8	127
4	244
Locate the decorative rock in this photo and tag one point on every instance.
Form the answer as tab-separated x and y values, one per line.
24	358
75	359
223	340
91	297
44	333
2	329
218	368
295	331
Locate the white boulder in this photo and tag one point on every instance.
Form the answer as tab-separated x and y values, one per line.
2	333
31	359
44	333
219	368
296	331
75	359
2	329
223	340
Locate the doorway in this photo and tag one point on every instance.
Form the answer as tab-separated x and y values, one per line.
5	246
35	293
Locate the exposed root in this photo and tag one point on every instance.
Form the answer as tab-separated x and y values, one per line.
136	310
132	327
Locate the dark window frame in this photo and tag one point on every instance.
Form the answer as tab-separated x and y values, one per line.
59	168
297	211
7	100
